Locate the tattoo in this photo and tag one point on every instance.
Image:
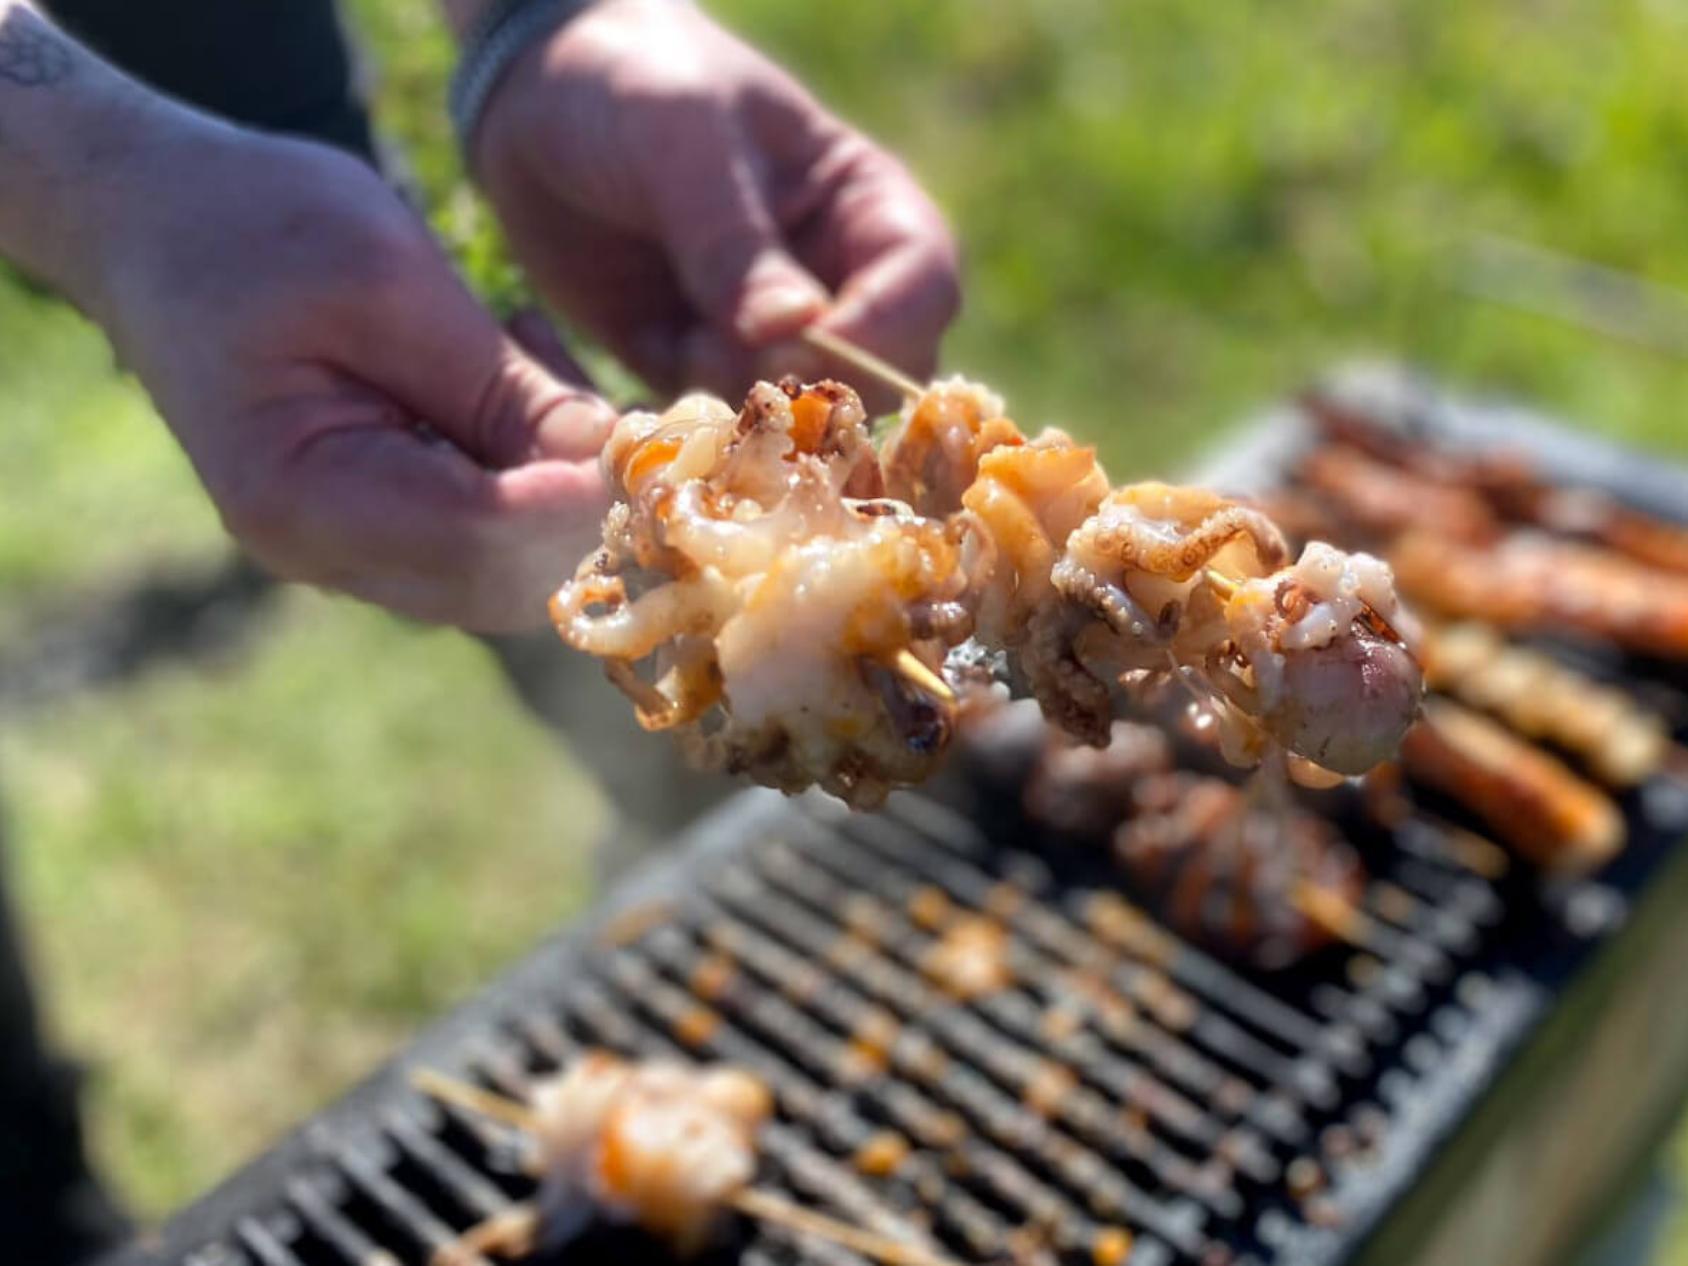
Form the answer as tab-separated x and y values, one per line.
32	55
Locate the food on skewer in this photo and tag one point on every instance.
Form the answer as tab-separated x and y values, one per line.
1447	562
1617	739
1019	511
933	456
1508	483
1084	587
657	1145
1136	594
758	595
1526	798
1319	657
1530	582
791	620
668	1148
1085	791
1378	501
1256	883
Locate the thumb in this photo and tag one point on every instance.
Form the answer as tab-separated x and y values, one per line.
577	428
722	239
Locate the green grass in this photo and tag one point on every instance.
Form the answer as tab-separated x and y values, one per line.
250	882
249	879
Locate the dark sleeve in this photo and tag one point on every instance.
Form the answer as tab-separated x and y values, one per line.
279	65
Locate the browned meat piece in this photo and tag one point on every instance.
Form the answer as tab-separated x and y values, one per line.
1253	884
1524	797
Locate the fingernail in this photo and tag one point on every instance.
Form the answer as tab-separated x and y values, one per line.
574	430
779	299
778	311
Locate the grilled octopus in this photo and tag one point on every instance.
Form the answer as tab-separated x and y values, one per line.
782	596
656	1145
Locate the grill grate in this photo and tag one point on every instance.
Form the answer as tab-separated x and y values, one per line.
1125	1089
1125	1081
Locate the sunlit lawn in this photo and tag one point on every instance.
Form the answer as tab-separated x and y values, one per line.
249	878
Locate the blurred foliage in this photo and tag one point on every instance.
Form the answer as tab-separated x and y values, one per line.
248	879
258	876
1173	212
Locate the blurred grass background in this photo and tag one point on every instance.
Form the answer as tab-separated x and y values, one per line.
250	875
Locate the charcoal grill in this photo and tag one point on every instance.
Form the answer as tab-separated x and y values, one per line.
1464	1088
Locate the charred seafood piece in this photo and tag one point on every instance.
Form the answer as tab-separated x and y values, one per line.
1530	582
1085	792
664	1147
1263	885
1319	657
1507	484
1524	797
1610	734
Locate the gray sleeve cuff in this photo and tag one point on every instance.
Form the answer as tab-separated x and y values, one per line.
502	35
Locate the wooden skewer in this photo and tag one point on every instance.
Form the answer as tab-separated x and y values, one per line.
913	668
767	1207
486	1103
1335	914
1222	584
511	1233
762	1205
863	360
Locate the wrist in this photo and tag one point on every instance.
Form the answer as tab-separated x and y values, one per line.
501	35
77	141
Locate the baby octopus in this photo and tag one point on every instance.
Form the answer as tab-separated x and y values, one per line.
782	597
755	593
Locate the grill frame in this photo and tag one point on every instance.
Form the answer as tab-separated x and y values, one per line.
1435	1123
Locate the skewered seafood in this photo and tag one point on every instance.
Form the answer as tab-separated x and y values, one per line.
1527	581
791	620
1304	656
1086	791
933	456
1020	510
1454	553
1619	741
1510	486
1378	500
657	1145
1321	659
1266	884
665	1147
1527	798
756	593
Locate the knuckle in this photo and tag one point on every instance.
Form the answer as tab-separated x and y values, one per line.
384	253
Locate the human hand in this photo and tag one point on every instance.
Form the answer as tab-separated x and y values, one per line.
359	420
692	206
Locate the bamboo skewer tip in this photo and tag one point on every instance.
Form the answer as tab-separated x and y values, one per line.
765	1206
915	669
864	360
473	1098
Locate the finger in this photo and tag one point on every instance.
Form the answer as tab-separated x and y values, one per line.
575	426
901	286
721	237
419	528
429	346
536	335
